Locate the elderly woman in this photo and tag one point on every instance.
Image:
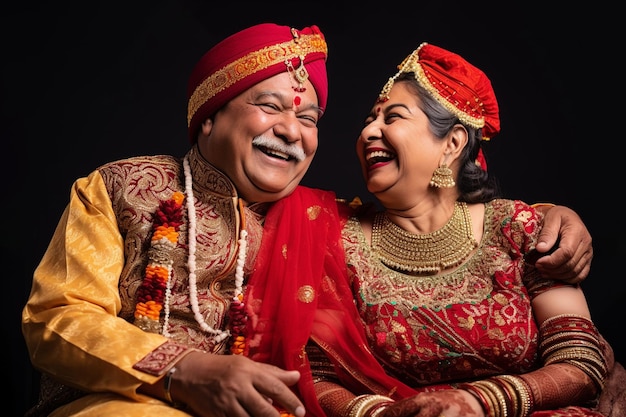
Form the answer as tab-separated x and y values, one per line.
446	286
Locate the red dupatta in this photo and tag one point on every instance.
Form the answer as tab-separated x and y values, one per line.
299	289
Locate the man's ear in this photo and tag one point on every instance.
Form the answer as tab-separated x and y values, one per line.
206	127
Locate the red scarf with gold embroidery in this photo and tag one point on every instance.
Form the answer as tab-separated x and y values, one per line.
299	289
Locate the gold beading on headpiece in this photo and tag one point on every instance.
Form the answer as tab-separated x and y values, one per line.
412	64
409	64
254	62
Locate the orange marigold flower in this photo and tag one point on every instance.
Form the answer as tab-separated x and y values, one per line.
178	197
152	293
148	309
161	272
165	231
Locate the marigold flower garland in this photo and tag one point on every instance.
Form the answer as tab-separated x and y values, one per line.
154	292
153	295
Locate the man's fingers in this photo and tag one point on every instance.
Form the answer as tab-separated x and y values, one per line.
274	387
548	238
563	266
259	405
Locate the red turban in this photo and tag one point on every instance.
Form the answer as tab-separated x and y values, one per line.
459	86
249	57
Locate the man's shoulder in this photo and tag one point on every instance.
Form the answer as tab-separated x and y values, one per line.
157	175
143	160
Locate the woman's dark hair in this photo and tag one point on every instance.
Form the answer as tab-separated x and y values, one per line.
475	185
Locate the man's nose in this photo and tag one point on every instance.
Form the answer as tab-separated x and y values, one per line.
288	127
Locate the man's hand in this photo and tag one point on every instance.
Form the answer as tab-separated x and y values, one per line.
570	259
234	385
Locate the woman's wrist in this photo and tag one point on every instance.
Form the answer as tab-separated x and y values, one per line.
367	405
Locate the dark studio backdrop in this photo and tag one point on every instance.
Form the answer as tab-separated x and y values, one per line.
86	83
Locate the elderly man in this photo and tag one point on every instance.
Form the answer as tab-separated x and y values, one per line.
151	293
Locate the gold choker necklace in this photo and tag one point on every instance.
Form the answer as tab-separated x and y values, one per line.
428	253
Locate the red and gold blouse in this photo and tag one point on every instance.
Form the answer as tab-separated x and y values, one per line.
471	322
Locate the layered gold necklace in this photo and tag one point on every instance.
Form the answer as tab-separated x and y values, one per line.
424	254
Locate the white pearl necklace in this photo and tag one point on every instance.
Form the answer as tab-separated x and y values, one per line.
219	335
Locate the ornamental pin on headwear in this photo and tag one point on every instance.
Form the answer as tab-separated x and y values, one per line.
249	57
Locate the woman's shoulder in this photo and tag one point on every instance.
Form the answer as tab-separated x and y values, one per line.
516	220
510	205
510	210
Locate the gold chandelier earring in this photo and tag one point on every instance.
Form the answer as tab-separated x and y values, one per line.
442	177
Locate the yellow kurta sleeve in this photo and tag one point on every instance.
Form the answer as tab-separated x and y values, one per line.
70	321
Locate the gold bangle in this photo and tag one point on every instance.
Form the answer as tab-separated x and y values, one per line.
361	405
494	393
523	394
510	394
500	395
377	409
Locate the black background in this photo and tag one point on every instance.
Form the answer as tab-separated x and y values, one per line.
90	82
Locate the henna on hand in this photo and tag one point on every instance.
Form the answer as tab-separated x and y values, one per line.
444	403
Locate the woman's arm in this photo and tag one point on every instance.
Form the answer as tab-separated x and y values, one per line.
572	353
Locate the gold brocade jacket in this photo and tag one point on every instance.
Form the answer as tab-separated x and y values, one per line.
78	321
